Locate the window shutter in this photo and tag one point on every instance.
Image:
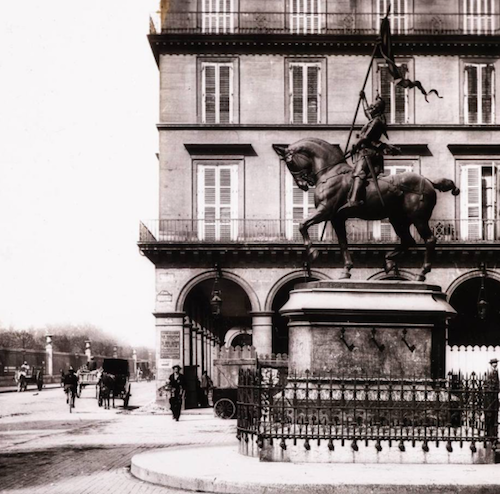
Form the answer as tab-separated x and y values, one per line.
471	203
400	97
470	94
297	93
487	88
225	94
299	205
313	94
385	89
217	202
209	93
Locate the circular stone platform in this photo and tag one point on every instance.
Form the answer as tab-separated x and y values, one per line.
222	470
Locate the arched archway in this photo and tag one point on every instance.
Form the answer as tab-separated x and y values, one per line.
470	326
277	298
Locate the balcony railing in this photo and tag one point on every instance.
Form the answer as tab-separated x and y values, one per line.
194	231
322	23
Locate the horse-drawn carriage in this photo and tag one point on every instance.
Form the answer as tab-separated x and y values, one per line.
88	378
114	382
32	376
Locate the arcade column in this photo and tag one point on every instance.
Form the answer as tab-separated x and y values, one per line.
169	347
262	332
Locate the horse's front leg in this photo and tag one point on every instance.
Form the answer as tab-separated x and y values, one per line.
430	246
340	229
316	217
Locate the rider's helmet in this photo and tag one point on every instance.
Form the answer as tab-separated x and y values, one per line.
377	108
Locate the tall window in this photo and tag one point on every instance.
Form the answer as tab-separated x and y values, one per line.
479	200
399	15
382	230
306	16
397	101
218	200
479	93
305	92
217	16
478	16
217	92
299	205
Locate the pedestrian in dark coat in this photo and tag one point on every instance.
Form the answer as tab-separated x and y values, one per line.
177	387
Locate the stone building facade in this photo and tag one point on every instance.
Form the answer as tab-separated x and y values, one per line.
236	77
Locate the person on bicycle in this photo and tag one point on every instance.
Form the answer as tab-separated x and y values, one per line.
70	385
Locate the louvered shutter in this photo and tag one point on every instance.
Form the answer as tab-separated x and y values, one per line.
299	205
297	93
470	94
218	202
207	202
225	94
385	80
313	94
209	93
471	203
487	88
400	100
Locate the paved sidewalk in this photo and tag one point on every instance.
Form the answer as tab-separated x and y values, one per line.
50	451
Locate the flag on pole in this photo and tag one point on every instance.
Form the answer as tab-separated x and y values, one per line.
398	73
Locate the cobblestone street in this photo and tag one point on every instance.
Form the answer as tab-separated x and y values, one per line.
45	449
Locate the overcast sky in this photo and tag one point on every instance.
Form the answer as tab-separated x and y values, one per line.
78	171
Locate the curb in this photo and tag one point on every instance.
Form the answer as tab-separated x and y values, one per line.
222	470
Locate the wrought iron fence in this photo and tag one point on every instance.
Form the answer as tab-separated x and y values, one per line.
263	22
286	231
326	408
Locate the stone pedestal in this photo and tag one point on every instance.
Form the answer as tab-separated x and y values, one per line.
368	328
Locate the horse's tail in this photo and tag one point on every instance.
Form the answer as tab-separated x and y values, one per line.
445	185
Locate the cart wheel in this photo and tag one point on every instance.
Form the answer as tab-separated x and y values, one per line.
126	400
225	408
79	391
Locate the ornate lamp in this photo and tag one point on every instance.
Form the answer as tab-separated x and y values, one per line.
482	303
216	296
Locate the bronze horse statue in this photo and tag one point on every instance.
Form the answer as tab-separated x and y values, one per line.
408	199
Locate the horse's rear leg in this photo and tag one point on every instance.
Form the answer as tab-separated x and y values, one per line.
402	229
316	217
339	227
425	232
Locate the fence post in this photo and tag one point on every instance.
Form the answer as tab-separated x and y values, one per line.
49	353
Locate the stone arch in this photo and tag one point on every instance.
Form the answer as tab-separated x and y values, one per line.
284	280
206	275
382	275
475	273
233	333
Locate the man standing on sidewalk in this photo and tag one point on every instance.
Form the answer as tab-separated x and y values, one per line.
177	386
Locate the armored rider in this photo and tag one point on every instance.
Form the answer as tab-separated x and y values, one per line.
368	151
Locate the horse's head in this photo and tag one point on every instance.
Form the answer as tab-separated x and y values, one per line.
299	164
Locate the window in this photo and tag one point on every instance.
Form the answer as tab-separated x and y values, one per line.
382	230
479	94
397	101
217	92
478	16
399	15
217	200
306	16
479	200
299	205
305	92
217	16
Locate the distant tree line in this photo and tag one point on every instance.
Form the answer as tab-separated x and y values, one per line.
68	338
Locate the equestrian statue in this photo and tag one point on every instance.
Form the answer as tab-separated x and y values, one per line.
343	191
